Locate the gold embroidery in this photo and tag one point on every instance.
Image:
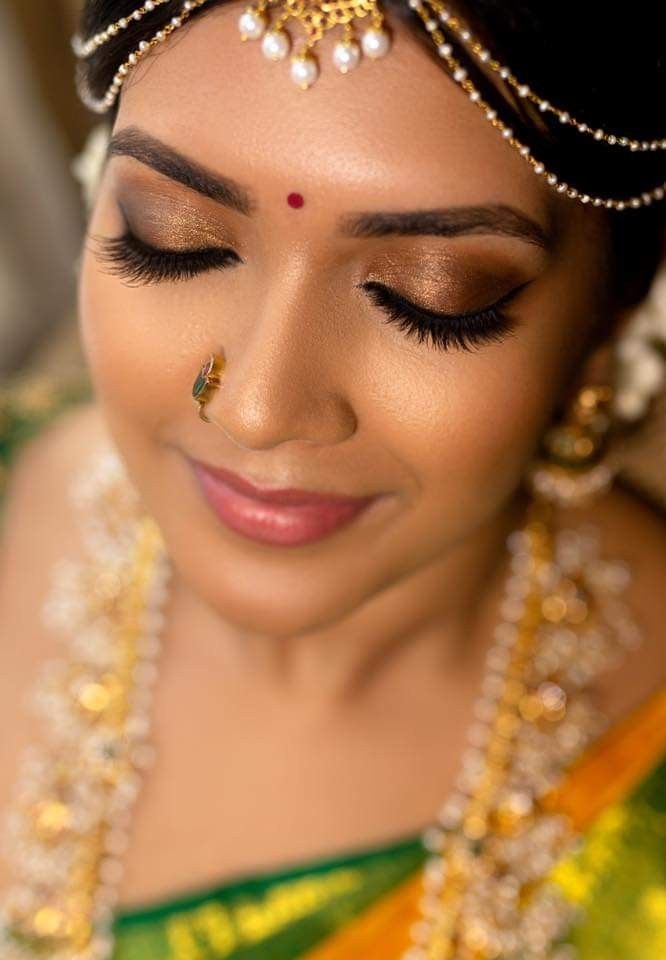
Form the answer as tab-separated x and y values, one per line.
193	934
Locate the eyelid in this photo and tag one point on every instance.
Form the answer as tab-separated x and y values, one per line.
194	224
503	301
137	262
131	236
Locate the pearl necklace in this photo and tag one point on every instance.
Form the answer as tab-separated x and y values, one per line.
563	623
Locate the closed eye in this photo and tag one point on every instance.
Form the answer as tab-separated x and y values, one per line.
139	262
444	330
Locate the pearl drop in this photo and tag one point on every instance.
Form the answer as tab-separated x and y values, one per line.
251	24
375	43
346	55
275	44
304	70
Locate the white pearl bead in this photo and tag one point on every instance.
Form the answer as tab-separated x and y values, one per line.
346	55
304	71
251	24
275	44
375	43
630	404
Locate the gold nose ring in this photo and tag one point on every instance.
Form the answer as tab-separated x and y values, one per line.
207	380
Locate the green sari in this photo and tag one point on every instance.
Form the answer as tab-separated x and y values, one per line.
617	876
361	902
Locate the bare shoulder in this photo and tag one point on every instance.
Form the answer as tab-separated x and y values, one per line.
37	514
634	532
38	528
38	524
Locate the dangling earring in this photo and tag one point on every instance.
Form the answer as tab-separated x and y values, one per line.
207	380
572	468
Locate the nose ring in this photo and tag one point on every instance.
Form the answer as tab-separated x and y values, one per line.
207	380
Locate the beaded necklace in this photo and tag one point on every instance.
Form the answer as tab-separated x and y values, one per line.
563	622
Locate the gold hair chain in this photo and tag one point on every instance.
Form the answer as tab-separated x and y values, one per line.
318	17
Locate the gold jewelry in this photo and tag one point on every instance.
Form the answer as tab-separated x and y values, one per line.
207	380
318	16
80	46
573	469
85	48
483	55
494	841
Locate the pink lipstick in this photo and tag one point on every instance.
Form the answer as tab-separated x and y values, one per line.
285	516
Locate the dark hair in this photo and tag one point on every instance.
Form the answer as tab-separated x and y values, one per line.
607	71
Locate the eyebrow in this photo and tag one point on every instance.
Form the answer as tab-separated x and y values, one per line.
498	218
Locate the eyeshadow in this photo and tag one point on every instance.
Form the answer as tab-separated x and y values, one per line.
164	219
448	282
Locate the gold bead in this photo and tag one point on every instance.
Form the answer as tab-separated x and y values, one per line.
51	818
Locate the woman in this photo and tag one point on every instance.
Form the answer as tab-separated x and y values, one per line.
378	310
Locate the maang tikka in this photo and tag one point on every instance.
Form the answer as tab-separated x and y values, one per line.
206	382
316	17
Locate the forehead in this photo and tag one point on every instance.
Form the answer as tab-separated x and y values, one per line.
398	126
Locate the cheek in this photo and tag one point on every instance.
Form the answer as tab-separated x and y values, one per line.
140	343
468	435
470	422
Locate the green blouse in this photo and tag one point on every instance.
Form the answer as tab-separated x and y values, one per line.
618	876
277	913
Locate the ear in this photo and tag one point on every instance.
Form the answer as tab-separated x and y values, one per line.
600	364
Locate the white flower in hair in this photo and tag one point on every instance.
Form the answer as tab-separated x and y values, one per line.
641	353
87	167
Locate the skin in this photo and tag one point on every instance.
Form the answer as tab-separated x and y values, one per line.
330	397
357	650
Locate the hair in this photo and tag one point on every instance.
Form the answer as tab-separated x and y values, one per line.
605	70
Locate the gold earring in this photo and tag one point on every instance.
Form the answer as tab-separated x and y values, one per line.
572	468
207	380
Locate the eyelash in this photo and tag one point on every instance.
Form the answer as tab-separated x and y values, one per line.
140	263
444	330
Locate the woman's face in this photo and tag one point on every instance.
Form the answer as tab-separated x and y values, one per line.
326	386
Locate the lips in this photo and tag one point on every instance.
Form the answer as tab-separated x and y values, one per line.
280	516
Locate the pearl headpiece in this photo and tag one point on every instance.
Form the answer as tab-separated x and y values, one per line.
318	16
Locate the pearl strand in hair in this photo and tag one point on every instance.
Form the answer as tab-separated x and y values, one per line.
433	25
460	76
460	29
103	104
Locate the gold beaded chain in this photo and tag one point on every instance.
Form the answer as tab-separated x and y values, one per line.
459	74
103	104
342	13
462	31
85	48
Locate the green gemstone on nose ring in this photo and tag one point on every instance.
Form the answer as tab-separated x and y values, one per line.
207	379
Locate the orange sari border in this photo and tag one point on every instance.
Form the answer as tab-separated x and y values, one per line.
605	773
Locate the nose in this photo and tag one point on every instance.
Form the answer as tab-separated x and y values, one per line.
284	383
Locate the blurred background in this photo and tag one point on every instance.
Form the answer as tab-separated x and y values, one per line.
43	128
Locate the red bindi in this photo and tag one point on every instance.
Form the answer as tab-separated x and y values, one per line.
295	200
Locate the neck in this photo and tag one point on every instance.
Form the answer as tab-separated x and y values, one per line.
432	626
